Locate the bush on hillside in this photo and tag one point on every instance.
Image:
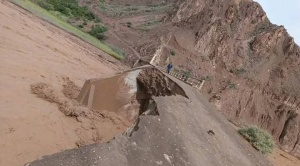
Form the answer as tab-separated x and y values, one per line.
258	138
45	5
90	16
97	31
129	24
67	7
100	36
172	52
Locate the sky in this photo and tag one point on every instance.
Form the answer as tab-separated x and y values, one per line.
284	12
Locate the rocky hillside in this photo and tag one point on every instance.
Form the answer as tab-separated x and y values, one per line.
250	65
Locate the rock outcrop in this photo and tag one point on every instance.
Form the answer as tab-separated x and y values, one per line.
250	64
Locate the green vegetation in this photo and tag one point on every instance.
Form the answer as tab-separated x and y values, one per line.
258	138
206	78
61	23
97	31
129	24
231	85
117	50
238	71
149	24
69	8
128	10
187	73
70	11
131	9
172	52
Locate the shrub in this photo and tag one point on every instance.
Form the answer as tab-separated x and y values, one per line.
206	78
258	138
69	8
240	71
231	85
64	10
172	52
98	31
100	36
129	24
131	9
187	73
90	16
45	5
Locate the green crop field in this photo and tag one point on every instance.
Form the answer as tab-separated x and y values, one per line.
45	15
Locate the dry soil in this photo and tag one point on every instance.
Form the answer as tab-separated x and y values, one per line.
281	158
32	52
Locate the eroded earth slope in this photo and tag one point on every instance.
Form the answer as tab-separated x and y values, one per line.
37	57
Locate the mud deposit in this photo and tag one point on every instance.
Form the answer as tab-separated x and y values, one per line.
114	111
96	126
33	53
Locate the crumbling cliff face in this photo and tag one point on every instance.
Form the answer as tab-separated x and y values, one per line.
251	65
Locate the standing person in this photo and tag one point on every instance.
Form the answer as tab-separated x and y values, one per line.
169	67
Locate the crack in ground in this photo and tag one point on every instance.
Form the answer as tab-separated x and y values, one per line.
152	83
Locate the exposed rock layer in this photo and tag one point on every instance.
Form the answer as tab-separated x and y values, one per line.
251	65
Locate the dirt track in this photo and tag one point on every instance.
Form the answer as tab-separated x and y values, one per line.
33	51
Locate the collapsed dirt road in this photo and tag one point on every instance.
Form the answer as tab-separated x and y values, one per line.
33	51
172	130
